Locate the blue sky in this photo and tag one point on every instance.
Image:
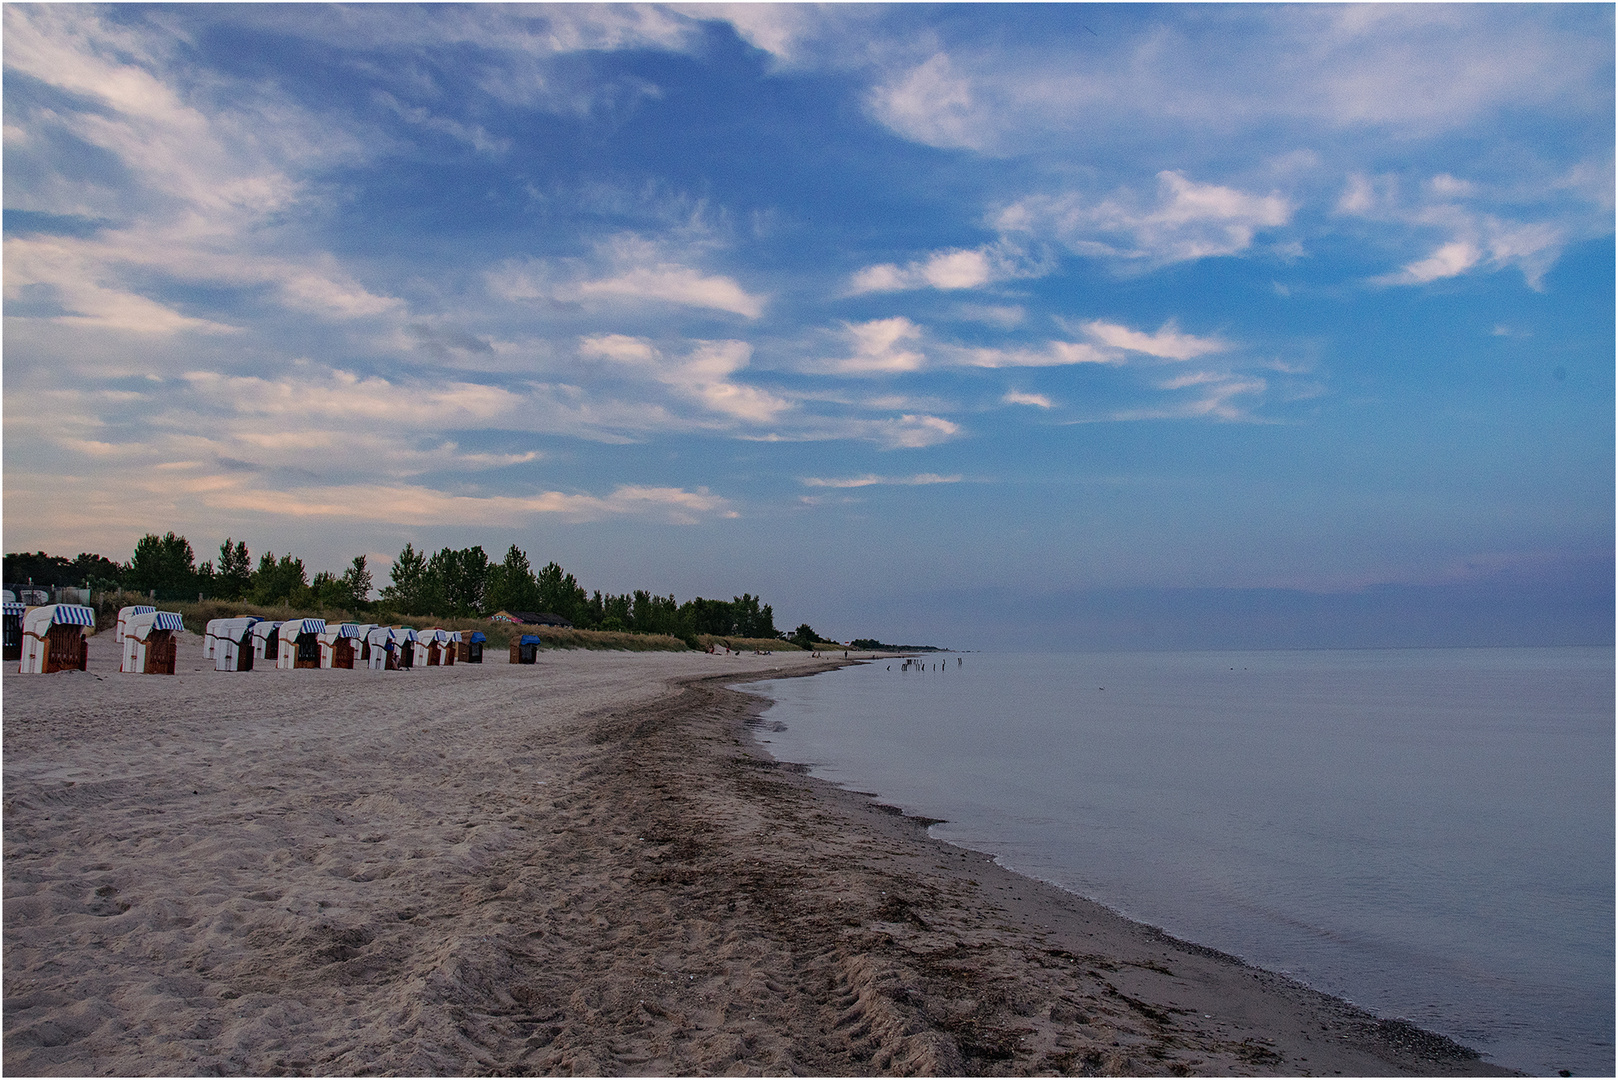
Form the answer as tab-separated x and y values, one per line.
925	322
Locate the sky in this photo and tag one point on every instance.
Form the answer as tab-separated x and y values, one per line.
980	325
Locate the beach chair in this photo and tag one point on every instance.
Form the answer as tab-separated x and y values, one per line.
341	645
362	641
300	643
469	650
233	642
149	645
266	641
379	649
437	647
13	623
127	613
404	647
525	649
53	638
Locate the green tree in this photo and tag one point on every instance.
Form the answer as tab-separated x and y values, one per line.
234	576
411	589
165	563
459	580
206	580
357	582
804	636
280	581
751	618
561	594
649	614
330	591
21	567
708	616
511	585
88	569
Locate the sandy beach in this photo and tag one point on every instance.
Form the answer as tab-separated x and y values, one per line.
586	866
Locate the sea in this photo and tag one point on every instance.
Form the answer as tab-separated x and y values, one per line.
1428	833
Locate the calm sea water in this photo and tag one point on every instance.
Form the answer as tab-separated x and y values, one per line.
1427	833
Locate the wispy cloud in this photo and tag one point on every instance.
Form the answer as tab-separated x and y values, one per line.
1186	220
1018	397
1248	75
1167	343
872	479
428	506
1474	239
702	375
627	269
950	269
204	179
1004	316
1212	394
471	134
1049	354
876	347
672	283
931	103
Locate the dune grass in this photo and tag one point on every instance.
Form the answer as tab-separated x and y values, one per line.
742	644
561	637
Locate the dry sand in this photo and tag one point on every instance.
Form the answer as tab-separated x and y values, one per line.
575	867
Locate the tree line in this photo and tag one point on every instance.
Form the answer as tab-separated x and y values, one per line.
450	582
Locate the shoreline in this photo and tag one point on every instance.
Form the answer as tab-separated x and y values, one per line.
588	868
1262	1022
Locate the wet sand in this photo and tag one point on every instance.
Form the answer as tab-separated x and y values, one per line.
587	866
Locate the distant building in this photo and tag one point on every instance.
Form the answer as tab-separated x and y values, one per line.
531	618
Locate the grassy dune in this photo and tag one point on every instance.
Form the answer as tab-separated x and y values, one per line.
747	644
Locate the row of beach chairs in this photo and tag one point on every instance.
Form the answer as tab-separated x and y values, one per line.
237	644
52	638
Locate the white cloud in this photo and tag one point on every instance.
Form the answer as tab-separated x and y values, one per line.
1018	397
872	479
305	392
473	135
626	268
1450	260
1449	187
1203	82
1186	221
1051	354
421	505
208	178
1475	239
674	284
931	104
950	269
778	29
942	270
88	289
879	347
912	431
508	51
1168	343
702	375
1004	316
1215	396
